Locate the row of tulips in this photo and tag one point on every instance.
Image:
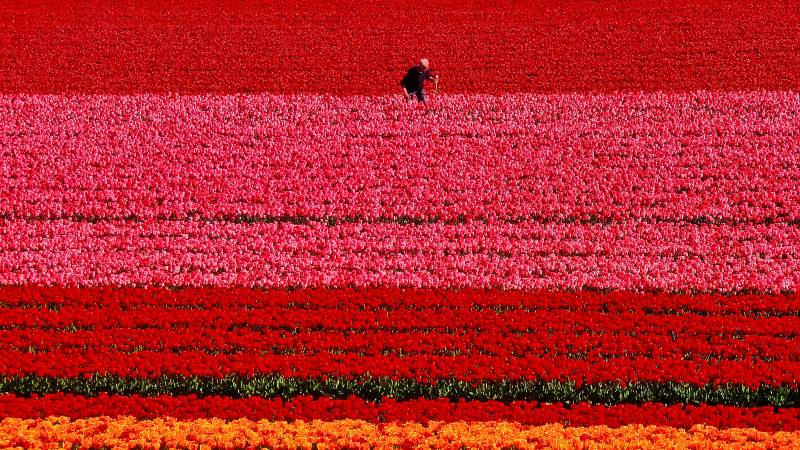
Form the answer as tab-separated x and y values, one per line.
294	338
595	344
131	433
689	157
475	46
625	255
272	326
58	298
389	410
380	389
692	369
492	330
300	320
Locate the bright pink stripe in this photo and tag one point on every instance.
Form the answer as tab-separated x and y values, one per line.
307	408
528	255
677	157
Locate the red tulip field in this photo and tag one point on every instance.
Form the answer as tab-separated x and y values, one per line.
222	225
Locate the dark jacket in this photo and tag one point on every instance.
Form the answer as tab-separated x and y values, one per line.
415	78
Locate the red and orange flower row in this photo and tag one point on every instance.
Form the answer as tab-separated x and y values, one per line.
127	432
190	407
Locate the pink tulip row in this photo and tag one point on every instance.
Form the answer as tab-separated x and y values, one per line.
529	255
701	157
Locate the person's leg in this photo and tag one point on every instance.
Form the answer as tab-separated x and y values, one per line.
421	95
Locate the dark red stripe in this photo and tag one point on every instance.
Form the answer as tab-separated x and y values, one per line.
363	47
598	343
306	408
355	320
613	302
422	334
694	369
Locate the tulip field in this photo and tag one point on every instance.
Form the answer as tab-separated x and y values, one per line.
223	226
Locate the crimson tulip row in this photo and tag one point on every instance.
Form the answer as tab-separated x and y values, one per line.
388	410
128	298
577	46
475	367
597	344
677	158
357	321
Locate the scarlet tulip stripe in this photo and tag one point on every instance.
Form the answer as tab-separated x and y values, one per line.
498	334
355	321
422	334
571	158
522	256
694	369
363	47
588	344
307	408
57	298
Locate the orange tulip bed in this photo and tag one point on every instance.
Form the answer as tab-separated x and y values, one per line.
125	432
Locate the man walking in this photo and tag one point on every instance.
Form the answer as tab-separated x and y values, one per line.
414	82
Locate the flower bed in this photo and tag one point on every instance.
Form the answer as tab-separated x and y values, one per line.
591	234
360	47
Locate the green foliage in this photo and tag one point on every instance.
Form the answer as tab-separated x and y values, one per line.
376	389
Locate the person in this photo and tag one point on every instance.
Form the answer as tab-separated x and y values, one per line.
414	82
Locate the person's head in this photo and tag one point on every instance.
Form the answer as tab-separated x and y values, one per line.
424	63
